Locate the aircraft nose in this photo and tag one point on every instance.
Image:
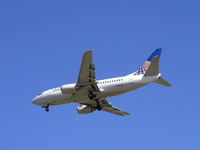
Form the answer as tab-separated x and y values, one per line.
35	100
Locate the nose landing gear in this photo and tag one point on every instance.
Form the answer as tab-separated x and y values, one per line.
46	107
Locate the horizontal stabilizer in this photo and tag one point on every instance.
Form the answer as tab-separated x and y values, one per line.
163	82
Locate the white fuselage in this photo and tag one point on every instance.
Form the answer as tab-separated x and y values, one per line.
108	87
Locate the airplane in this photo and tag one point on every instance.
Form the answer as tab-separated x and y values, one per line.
92	93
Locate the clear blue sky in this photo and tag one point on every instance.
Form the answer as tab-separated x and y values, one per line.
41	45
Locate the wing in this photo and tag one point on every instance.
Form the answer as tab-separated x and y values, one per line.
109	108
86	82
105	106
115	110
87	70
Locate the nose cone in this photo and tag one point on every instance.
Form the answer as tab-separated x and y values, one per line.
35	100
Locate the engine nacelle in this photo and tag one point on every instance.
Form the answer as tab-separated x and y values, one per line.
84	109
68	88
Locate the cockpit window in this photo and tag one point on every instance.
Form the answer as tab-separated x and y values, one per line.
50	90
56	89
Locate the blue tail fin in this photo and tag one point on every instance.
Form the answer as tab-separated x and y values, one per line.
146	64
157	52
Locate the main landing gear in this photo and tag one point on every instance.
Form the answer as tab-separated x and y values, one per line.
91	96
98	106
46	107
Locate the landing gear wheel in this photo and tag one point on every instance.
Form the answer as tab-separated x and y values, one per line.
46	108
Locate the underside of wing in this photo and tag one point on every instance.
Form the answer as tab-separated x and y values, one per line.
102	104
106	106
114	110
86	83
87	70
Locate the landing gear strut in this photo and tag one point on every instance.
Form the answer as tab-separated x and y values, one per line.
91	96
98	107
46	107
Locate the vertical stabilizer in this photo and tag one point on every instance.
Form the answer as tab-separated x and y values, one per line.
151	68
151	65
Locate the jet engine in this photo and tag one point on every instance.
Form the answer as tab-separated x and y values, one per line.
68	88
85	109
